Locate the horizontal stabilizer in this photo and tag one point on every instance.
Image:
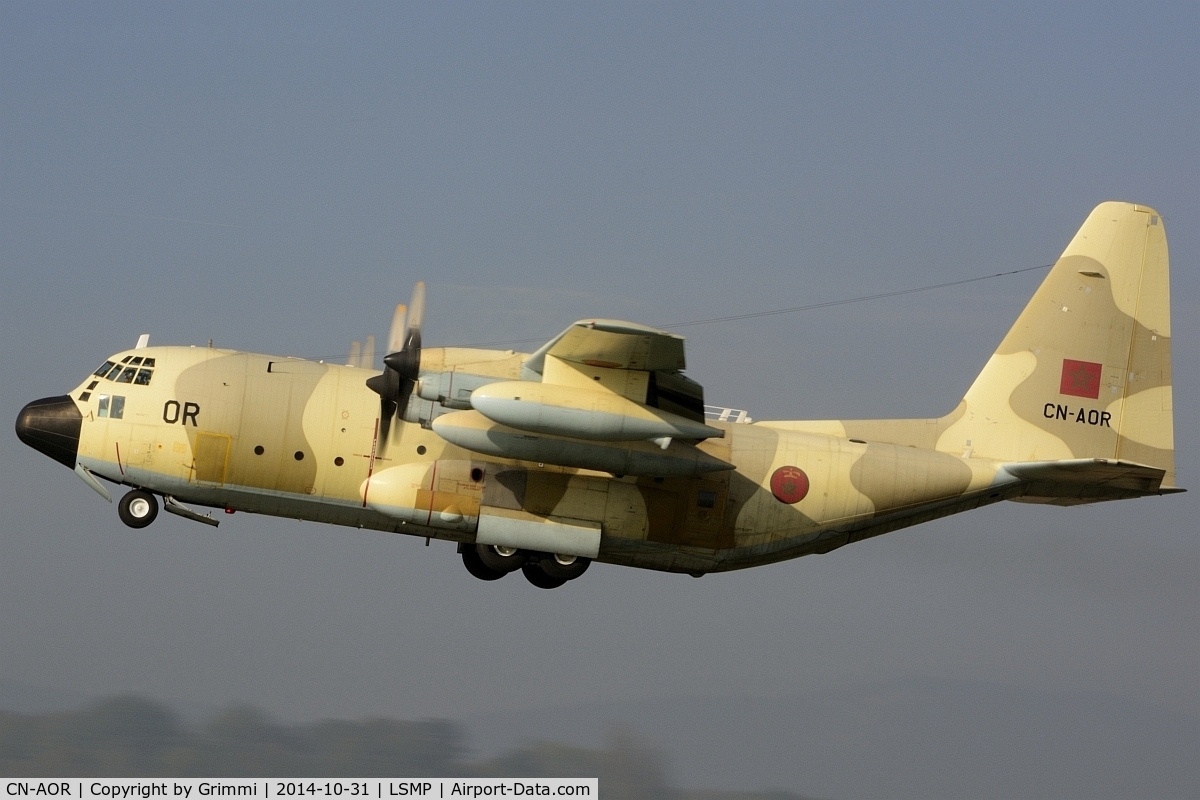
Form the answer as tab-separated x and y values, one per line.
1086	480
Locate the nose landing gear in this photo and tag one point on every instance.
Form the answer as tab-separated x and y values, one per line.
544	570
137	508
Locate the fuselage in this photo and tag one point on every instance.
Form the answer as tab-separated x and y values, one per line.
296	438
598	447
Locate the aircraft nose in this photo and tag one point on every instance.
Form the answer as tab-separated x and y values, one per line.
51	426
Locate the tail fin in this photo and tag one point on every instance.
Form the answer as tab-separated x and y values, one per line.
1086	370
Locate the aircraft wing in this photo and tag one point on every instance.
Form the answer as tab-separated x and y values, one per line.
650	362
613	344
1086	480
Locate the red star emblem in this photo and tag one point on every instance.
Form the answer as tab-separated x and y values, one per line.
789	484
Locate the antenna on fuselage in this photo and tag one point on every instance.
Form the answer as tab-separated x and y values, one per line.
142	342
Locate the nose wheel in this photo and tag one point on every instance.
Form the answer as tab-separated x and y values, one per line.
137	508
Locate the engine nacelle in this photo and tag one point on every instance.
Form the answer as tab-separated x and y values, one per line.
451	389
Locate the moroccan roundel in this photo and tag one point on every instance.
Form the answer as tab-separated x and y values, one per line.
789	484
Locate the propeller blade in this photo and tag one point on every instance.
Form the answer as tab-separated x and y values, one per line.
367	359
396	333
387	410
401	363
407	359
416	312
388	386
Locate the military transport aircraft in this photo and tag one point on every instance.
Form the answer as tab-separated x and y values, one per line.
598	447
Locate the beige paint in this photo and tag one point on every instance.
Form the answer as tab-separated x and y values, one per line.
630	384
1106	302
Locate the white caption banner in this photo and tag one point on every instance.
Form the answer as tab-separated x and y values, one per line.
261	788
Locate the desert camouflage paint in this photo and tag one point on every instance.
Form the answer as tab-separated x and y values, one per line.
1073	407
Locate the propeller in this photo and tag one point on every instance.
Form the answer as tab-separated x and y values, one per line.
402	364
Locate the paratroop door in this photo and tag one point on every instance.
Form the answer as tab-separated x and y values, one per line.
211	457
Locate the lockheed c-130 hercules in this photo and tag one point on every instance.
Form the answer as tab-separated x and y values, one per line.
598	447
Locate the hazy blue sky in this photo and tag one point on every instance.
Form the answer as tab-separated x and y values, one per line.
276	176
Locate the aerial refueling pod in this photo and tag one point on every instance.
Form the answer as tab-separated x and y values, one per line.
581	413
473	431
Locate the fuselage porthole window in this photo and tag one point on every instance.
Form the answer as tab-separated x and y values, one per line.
143	377
104	368
126	375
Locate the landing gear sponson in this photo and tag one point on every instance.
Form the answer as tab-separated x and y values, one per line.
138	508
544	570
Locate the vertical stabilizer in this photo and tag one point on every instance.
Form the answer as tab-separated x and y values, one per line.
1086	370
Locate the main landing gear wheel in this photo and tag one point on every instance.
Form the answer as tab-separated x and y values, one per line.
137	508
475	565
538	577
566	567
499	558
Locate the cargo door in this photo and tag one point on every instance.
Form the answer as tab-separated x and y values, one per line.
210	458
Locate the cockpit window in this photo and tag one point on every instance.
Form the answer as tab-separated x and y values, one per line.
111	407
127	371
